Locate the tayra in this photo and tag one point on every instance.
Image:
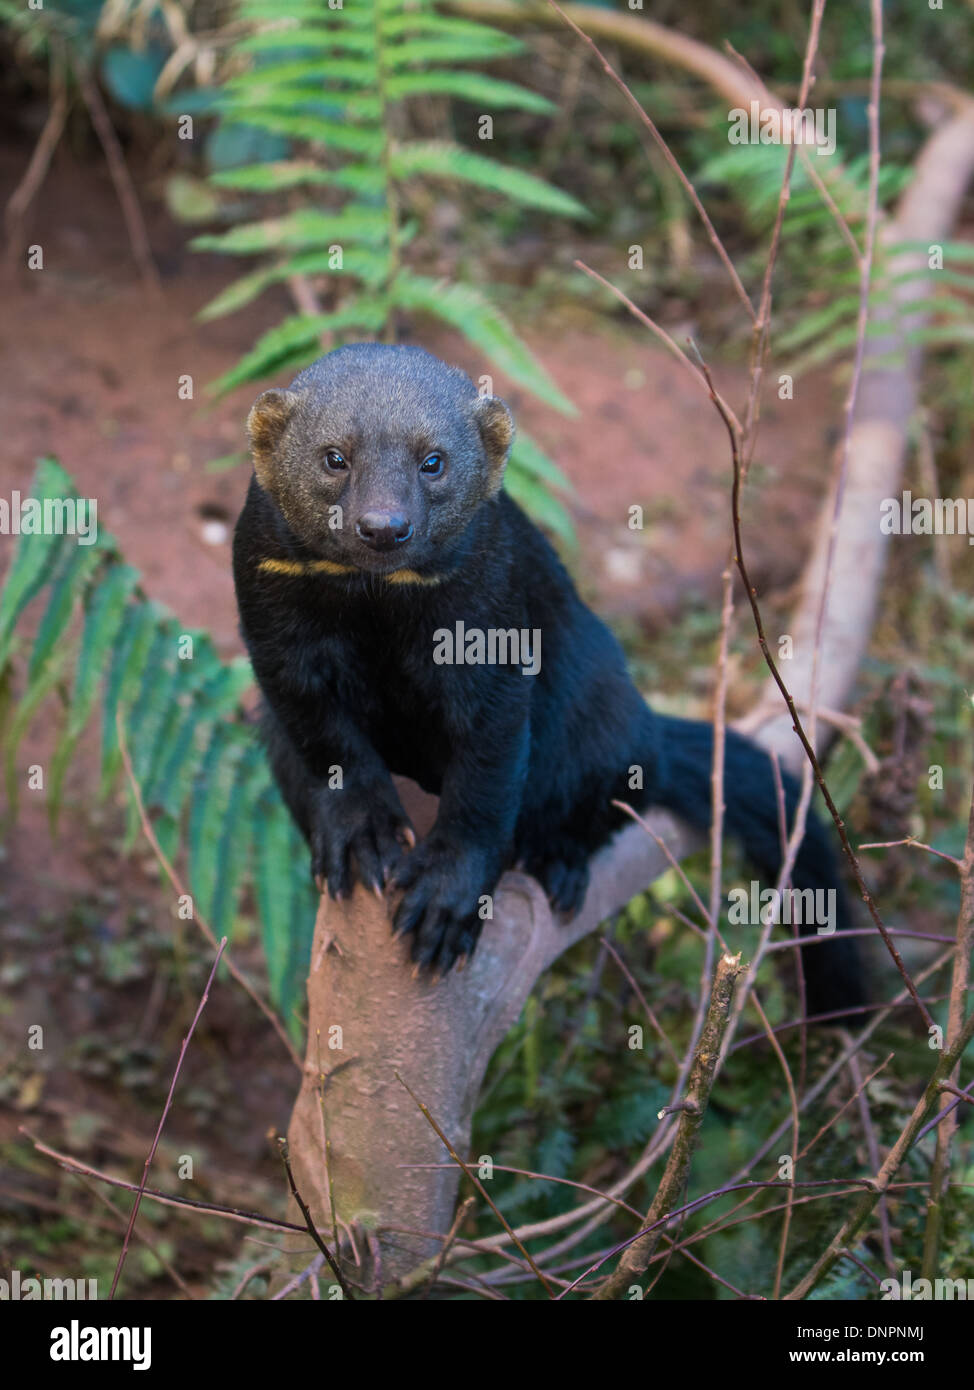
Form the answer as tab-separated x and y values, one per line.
404	616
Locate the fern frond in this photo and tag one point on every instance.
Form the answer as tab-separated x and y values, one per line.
465	308
446	47
35	558
371	267
302	230
438	159
359	140
291	342
300	75
281	175
470	86
309	39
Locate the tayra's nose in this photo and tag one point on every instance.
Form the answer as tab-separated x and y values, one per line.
383	530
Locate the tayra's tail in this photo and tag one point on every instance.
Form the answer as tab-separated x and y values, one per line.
833	976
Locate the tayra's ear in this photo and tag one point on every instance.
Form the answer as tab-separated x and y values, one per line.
496	425
266	423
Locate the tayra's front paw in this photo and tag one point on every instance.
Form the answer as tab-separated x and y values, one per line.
358	835
442	890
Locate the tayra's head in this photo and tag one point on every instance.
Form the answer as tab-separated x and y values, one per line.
379	456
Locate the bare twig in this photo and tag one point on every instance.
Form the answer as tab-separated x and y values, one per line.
465	1167
668	155
674	1181
960	979
309	1220
162	1120
124	189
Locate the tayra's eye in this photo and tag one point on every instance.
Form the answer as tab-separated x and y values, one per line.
335	461
432	465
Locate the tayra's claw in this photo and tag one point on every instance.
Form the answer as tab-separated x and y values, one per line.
407	836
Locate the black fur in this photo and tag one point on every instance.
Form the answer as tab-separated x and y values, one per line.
342	635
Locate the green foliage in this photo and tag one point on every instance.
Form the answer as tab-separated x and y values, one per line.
201	772
817	321
336	204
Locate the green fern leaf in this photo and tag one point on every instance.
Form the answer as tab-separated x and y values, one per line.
361	140
293	339
237	832
372	267
538	502
128	663
302	75
30	702
310	40
464	43
282	175
68	586
300	231
107	609
434	159
467	310
212	795
36	556
471	86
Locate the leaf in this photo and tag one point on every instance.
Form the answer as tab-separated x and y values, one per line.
211	799
527	457
300	230
540	504
466	309
436	159
286	901
70	580
463	47
237	142
131	75
35	695
443	28
217	697
336	134
107	610
35	557
238	831
294	337
470	86
310	40
128	661
301	76
366	264
297	173
191	200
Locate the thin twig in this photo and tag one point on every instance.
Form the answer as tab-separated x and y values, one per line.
124	188
162	1120
668	155
309	1220
465	1168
